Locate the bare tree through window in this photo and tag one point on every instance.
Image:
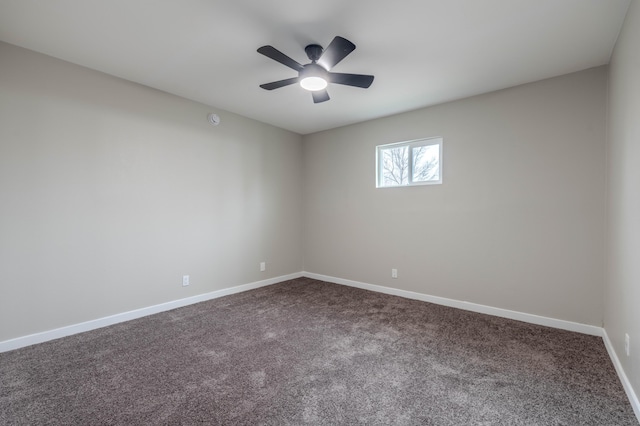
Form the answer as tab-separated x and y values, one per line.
426	163
395	166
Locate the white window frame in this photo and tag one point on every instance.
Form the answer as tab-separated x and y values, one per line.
410	144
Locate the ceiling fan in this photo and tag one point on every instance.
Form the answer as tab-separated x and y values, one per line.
315	75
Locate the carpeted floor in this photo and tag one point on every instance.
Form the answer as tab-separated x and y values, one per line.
309	352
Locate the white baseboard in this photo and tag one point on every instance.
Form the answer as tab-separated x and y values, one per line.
31	339
57	333
626	384
468	306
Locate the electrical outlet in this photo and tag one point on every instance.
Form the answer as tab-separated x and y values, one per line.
263	266
394	273
185	280
627	344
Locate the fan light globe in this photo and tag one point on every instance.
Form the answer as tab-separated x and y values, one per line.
313	83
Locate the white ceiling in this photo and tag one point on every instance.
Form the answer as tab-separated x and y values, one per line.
422	52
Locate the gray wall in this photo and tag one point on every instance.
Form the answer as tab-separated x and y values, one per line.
518	222
111	191
622	293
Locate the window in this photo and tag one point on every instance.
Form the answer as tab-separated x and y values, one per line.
416	162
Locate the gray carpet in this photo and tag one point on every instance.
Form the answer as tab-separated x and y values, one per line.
309	352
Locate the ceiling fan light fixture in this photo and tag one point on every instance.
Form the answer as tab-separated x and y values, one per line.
313	83
313	77
316	75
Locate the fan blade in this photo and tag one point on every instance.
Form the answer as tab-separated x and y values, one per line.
276	55
337	50
320	96
279	84
356	80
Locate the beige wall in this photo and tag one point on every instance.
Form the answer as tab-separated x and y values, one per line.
111	191
622	292
517	224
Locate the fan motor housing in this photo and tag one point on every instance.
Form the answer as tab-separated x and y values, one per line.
314	51
313	70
